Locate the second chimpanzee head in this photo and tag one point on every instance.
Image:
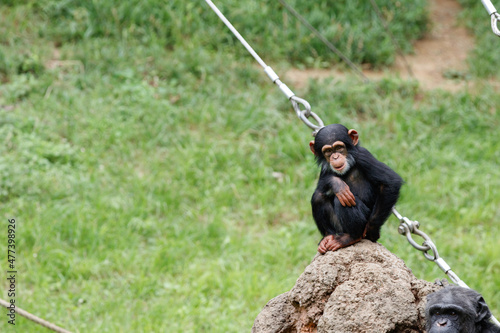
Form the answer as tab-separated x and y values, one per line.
335	148
457	310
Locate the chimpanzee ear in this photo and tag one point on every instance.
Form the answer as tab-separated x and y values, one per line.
354	136
482	311
311	146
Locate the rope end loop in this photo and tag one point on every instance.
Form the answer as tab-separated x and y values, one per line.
304	114
495	17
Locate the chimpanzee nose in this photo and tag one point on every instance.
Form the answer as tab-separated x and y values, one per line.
442	322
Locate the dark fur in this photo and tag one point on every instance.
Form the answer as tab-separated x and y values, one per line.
471	312
374	185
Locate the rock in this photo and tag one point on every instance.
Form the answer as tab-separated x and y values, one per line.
361	288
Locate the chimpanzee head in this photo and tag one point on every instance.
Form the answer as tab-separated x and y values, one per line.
335	148
457	310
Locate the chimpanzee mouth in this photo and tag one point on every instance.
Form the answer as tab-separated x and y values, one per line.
340	170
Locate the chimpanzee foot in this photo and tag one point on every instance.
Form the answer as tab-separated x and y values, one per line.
335	242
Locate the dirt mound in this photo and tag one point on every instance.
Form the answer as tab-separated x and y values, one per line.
361	288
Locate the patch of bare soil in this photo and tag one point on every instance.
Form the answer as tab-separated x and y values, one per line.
442	51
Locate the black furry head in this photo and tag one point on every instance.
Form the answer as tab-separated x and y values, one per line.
470	307
328	135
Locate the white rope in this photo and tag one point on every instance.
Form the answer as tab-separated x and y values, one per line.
34	318
236	33
495	17
296	101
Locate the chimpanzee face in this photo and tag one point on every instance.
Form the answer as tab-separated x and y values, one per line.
337	157
447	318
456	310
334	147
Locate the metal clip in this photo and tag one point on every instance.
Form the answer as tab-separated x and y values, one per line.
304	114
495	17
408	227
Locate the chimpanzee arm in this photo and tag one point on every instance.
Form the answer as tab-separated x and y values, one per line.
388	184
329	184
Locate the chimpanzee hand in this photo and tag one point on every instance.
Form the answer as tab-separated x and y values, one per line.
343	193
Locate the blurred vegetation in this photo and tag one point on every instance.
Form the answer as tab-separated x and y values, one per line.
352	25
484	62
160	183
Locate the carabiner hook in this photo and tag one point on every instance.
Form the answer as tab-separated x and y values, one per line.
304	114
495	17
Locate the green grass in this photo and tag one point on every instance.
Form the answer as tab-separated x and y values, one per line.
484	62
352	26
160	183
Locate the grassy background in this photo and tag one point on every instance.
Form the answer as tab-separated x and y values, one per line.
160	183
